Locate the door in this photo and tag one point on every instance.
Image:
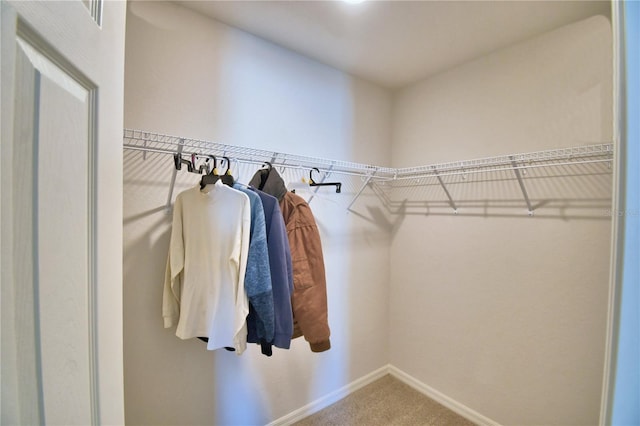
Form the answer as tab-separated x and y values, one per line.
61	212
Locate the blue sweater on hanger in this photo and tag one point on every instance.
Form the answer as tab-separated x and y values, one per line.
257	280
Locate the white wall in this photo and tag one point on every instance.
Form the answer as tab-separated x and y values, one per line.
502	312
190	76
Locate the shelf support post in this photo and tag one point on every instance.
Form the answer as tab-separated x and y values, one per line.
144	153
173	177
364	185
516	170
446	191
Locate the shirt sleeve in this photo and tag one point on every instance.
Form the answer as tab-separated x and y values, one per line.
258	276
309	301
174	268
281	279
242	302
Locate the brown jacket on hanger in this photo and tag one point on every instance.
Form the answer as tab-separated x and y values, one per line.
309	299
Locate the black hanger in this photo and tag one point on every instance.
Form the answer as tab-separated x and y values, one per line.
210	158
264	176
203	167
179	161
212	177
227	177
338	185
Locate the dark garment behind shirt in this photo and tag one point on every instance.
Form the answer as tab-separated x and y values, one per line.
281	276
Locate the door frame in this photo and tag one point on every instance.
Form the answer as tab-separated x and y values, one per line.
624	211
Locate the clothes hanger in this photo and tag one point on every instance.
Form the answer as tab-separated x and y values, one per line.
203	167
179	161
227	177
264	176
211	177
338	185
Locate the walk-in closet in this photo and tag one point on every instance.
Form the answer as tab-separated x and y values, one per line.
463	165
442	277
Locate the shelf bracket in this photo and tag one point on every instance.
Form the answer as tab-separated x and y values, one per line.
446	191
516	170
173	177
144	153
364	185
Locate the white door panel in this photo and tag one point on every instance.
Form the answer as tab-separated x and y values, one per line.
63	160
61	317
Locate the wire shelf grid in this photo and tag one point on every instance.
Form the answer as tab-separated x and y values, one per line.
154	142
516	164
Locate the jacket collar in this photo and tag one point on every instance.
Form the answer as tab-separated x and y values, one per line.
269	181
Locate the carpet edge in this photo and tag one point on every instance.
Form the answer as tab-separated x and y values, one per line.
441	398
330	398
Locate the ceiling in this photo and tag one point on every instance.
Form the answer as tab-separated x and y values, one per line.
396	43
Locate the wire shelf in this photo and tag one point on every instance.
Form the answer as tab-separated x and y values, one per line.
154	142
548	158
516	164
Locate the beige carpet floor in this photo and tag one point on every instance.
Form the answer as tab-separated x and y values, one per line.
387	401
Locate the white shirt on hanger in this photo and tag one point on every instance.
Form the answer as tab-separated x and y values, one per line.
204	290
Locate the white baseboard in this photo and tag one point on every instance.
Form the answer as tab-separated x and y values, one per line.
330	398
441	398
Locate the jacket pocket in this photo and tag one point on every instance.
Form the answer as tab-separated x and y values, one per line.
301	274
